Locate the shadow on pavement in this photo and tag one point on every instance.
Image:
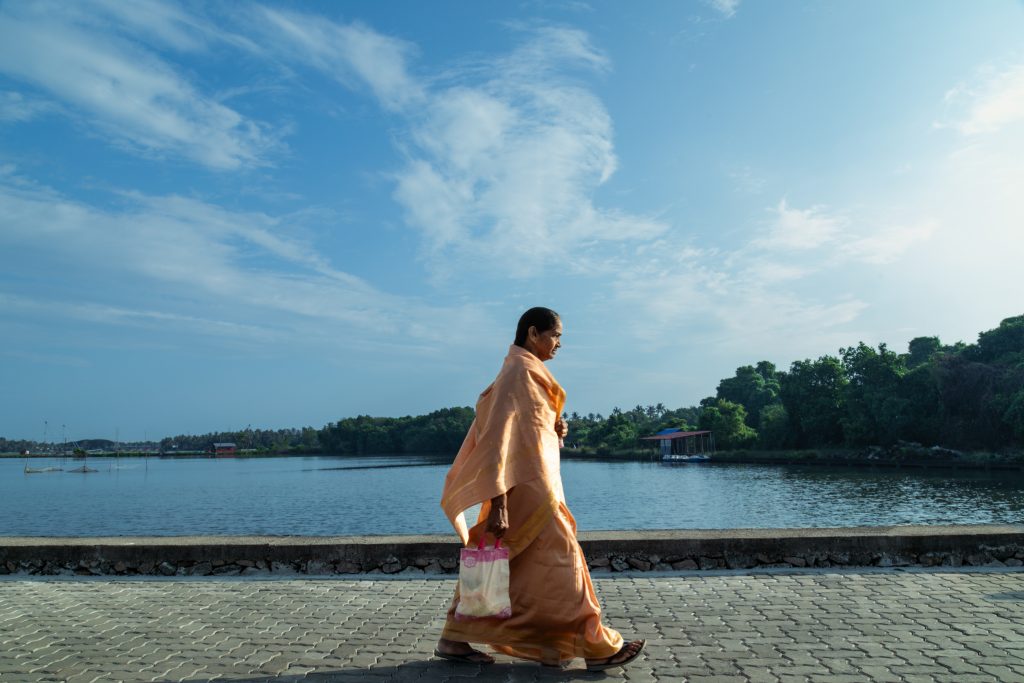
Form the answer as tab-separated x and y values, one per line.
1019	596
433	670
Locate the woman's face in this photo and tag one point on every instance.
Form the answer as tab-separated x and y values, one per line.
544	345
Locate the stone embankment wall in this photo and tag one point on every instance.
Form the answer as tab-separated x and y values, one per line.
952	546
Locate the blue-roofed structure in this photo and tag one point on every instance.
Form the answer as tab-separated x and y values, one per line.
677	444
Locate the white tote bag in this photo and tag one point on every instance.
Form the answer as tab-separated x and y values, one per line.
483	583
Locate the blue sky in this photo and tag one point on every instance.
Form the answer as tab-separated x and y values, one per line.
281	214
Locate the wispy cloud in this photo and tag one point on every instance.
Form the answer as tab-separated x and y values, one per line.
159	22
794	231
887	245
503	154
351	53
800	229
505	159
124	90
746	179
761	293
217	259
994	101
727	8
16	107
105	314
731	301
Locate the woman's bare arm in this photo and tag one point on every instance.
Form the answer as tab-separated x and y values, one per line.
497	520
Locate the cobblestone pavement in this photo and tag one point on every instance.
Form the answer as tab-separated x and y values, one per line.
870	626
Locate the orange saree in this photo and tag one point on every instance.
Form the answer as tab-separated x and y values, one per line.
512	448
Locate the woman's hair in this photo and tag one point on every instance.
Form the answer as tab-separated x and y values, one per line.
542	318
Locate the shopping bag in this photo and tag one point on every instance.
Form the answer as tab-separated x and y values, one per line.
483	583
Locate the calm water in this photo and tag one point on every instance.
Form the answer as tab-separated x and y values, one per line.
399	495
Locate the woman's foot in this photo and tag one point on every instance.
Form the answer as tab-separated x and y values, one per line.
455	651
624	656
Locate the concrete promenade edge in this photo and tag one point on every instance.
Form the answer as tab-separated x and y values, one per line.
611	551
916	626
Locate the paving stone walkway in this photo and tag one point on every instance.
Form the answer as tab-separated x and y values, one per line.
912	627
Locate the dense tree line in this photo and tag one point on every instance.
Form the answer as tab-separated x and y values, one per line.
968	396
306	439
17	445
441	431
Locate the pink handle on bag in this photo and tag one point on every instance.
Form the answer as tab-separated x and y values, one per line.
480	545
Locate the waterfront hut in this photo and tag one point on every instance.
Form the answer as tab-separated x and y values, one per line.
679	444
225	450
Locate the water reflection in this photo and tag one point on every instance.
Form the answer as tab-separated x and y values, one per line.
400	495
757	496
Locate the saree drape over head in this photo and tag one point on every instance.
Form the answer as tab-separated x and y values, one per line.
512	448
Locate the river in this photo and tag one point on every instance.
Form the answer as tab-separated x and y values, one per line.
326	495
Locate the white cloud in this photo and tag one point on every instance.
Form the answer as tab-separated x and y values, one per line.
885	246
16	107
825	239
125	91
765	294
995	102
771	271
726	301
727	8
746	179
166	23
800	229
216	259
348	52
505	159
92	312
503	155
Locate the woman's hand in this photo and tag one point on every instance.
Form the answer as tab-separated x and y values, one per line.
561	428
497	519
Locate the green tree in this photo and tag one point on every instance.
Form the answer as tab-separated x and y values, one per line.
310	439
618	431
921	349
1014	417
751	387
969	394
875	412
774	430
812	394
728	422
1003	345
685	419
922	417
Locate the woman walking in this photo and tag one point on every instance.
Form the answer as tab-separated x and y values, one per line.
509	464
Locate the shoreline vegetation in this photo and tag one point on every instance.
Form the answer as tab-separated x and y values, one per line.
958	404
